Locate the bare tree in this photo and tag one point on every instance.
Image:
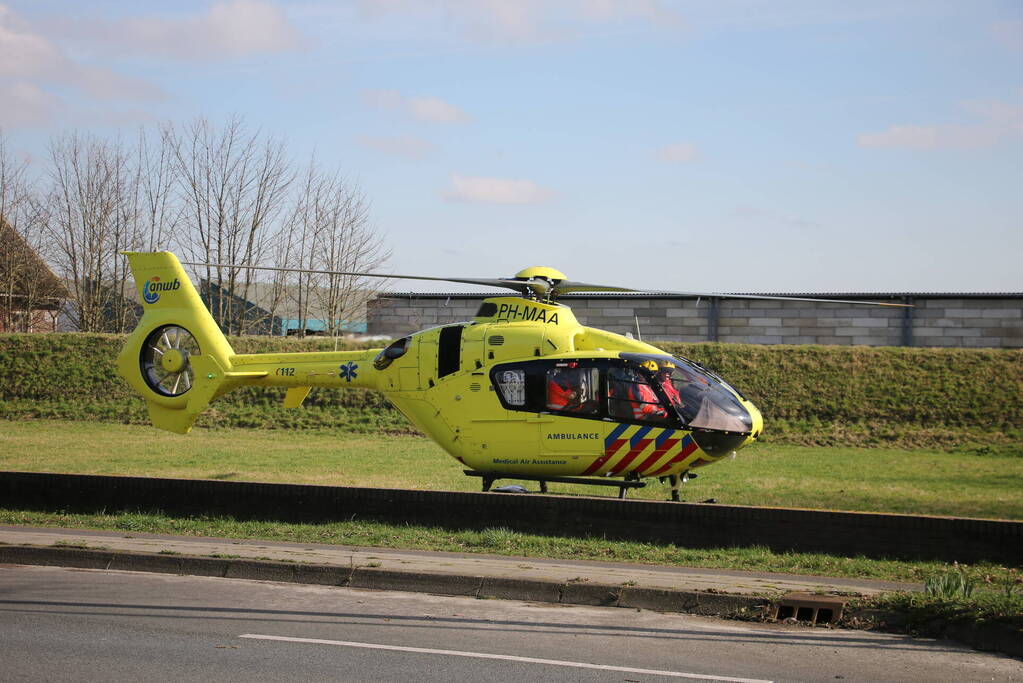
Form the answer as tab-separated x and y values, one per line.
216	194
293	249
234	183
92	218
159	213
345	242
327	229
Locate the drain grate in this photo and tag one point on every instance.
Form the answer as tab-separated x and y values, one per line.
810	608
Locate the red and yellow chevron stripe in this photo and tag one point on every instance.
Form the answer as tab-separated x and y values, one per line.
646	451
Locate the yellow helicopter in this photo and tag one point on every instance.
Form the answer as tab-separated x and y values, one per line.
522	391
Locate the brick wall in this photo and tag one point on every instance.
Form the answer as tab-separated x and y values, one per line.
936	319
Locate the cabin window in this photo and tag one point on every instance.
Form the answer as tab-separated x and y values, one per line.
573	389
699	396
393	352
630	397
449	350
594	389
636	388
512	385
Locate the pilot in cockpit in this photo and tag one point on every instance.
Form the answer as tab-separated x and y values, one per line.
667	386
562	390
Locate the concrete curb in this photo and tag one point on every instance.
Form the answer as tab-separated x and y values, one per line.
571	593
988	637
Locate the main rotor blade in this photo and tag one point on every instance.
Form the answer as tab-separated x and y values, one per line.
602	288
568	286
521	286
541	288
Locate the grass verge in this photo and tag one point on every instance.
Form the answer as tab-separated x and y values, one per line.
499	542
989	617
920	481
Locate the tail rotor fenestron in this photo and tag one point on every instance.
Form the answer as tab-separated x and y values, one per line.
165	360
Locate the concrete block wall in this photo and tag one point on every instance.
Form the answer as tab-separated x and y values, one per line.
397	317
948	320
804	322
980	322
674	319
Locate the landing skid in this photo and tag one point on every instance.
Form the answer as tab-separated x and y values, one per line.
623	485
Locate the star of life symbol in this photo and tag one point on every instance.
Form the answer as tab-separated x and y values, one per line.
348	371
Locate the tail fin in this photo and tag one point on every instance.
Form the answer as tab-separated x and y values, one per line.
177	358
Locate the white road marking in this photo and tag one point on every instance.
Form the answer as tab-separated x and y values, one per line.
510	658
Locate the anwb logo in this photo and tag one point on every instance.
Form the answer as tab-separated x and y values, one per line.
151	290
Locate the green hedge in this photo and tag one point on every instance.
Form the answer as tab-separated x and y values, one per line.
808	394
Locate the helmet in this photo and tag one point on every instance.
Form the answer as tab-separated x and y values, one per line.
650	365
667	365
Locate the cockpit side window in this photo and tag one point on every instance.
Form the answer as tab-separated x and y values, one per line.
630	397
595	389
701	399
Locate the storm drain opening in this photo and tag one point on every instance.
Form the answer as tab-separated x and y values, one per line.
809	608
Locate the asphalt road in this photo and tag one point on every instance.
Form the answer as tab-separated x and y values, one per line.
64	624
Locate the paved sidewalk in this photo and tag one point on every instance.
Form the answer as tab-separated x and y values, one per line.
442	564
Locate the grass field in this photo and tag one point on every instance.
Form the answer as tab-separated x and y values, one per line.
841	478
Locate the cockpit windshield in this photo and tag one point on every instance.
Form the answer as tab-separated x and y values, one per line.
701	399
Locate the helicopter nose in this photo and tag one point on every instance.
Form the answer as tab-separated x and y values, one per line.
718	444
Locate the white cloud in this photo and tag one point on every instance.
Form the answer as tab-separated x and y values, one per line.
680	152
399	146
497	191
436	110
31	64
229	29
999	121
24	104
517	21
930	137
1009	33
431	109
26	54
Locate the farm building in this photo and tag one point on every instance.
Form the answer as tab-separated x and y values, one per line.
31	296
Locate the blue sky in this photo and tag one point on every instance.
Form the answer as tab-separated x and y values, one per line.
695	146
